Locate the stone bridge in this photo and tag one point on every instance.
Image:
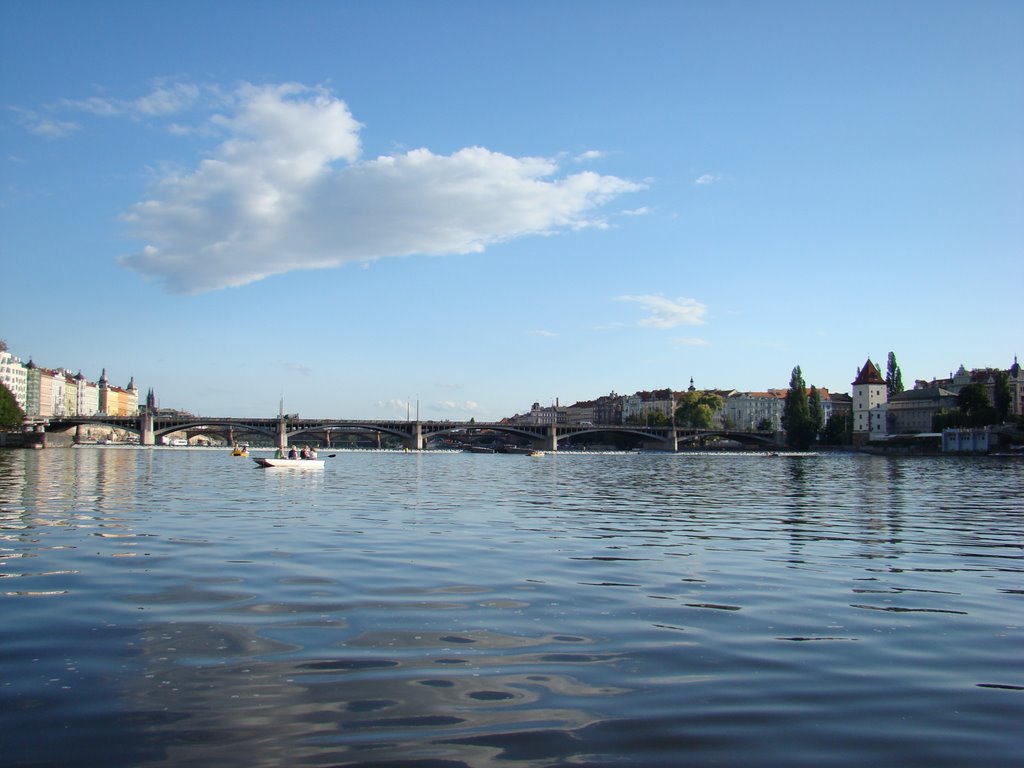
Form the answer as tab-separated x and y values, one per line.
413	434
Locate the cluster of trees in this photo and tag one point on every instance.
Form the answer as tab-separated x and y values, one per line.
973	408
11	415
693	409
803	416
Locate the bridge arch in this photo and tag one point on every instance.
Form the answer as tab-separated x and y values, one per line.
184	426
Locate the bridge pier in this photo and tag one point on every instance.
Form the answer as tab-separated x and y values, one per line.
35	436
551	438
414	442
282	433
146	436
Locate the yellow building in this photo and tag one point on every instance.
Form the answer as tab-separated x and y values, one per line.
115	401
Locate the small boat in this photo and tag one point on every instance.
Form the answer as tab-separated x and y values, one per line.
240	450
289	463
536	453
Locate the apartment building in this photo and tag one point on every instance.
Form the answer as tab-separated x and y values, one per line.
12	374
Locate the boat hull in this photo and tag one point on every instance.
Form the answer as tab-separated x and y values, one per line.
289	463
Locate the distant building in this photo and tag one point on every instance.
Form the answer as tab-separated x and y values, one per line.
608	409
869	404
914	411
31	389
115	401
88	396
581	413
986	377
752	410
841	405
641	405
541	416
12	374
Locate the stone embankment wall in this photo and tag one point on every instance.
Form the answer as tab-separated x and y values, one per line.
12	439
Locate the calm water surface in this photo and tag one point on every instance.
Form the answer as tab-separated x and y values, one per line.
185	608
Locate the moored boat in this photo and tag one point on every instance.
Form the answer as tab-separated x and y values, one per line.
289	463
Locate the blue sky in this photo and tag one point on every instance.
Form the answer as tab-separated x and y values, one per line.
474	206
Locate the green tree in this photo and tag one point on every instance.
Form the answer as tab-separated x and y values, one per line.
838	429
893	376
947	418
650	418
1001	397
817	411
974	406
796	414
697	409
11	415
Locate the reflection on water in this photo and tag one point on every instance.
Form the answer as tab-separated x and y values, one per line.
187	608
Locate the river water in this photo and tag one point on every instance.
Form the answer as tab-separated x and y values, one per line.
435	610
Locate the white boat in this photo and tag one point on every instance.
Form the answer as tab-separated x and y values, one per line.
289	463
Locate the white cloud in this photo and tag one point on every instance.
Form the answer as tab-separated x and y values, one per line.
642	211
545	334
53	129
165	99
668	313
690	342
44	125
395	406
286	190
590	154
707	178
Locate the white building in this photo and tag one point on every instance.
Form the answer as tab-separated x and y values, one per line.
541	416
88	396
12	374
870	396
58	392
750	410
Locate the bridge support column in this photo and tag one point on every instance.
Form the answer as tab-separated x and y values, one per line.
673	440
551	438
282	434
146	429
415	440
35	436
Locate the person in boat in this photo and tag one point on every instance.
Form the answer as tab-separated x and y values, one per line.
312	452
305	451
292	453
280	453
